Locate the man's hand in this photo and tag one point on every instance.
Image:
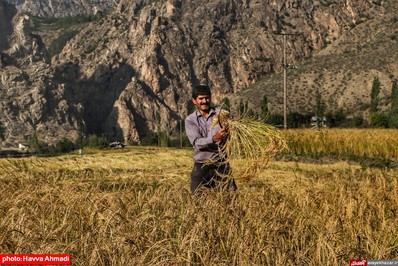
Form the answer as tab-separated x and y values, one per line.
222	134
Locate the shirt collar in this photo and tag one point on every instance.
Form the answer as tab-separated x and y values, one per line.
212	111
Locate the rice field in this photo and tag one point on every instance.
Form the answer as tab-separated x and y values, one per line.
133	207
344	142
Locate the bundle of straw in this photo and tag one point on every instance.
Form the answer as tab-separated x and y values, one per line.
250	143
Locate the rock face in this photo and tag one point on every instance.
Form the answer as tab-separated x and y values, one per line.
30	101
131	73
63	8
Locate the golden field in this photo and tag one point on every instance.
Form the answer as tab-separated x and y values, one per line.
344	142
133	207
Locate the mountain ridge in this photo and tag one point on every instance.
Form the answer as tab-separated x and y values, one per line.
63	8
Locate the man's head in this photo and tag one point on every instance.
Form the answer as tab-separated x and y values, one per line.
201	98
201	90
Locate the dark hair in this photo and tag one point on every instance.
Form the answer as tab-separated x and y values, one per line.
200	90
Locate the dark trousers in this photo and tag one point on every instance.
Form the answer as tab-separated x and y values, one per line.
212	176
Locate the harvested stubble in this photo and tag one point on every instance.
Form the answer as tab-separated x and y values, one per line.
251	143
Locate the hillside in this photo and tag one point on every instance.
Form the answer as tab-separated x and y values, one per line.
342	72
129	74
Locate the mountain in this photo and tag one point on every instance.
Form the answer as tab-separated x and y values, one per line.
131	73
63	8
342	72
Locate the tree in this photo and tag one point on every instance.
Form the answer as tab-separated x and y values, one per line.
275	120
394	96
241	107
393	114
264	112
374	95
226	104
319	109
336	118
2	131
379	119
34	144
297	120
64	146
94	141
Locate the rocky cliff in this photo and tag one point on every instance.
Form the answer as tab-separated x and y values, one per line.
31	101
63	8
132	72
341	72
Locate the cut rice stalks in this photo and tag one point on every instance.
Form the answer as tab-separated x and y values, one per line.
250	144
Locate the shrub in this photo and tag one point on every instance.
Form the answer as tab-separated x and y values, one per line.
58	44
2	130
150	139
64	146
379	120
94	141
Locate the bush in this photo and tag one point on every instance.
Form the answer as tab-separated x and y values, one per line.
335	119
2	130
297	120
151	139
64	146
378	120
94	141
393	119
275	120
58	44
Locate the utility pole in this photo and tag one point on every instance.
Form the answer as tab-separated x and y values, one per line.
284	85
180	133
285	67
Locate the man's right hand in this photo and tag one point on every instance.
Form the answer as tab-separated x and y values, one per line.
222	134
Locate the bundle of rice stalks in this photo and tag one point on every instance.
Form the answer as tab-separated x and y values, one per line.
250	143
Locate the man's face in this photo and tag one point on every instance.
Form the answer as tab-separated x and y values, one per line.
202	102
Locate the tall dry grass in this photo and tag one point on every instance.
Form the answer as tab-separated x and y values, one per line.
134	208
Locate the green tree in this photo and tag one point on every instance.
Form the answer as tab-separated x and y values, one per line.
94	141
163	139
59	43
393	114
394	95
275	120
64	146
245	111
241	108
319	109
264	112
374	95
34	144
379	119
2	132
336	118
226	104
81	139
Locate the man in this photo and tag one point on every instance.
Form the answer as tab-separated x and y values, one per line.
209	169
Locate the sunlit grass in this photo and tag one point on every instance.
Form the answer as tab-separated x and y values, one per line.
134	207
343	142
